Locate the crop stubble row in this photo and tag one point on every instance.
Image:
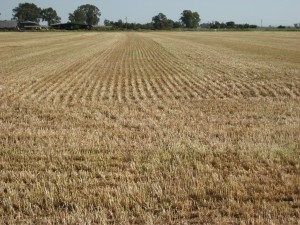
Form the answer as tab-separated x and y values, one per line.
134	67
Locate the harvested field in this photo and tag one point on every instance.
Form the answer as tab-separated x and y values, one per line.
150	128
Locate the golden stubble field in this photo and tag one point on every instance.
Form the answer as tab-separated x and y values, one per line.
150	128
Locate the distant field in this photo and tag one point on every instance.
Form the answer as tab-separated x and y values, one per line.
150	128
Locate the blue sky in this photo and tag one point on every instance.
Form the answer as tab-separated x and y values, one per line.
272	12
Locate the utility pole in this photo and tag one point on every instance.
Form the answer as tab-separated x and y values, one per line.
261	23
126	22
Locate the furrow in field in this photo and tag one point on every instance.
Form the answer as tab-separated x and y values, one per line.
113	89
44	49
102	75
38	82
69	83
138	70
155	74
283	90
151	67
155	89
222	67
41	86
128	72
216	81
121	88
289	88
87	72
148	92
139	90
242	89
213	89
246	88
157	85
79	87
37	55
198	83
143	61
103	71
138	65
108	83
106	79
181	85
58	91
95	92
154	70
252	88
136	86
293	88
163	83
89	91
167	77
176	76
49	79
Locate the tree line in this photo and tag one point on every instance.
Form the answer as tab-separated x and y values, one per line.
84	14
31	12
90	15
188	19
227	25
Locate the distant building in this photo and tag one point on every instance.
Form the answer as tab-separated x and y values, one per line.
29	25
9	25
71	26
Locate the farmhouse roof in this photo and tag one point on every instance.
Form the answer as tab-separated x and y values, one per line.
8	23
29	22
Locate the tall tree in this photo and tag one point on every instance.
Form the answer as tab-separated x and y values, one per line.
88	14
27	12
119	24
177	24
161	22
77	16
190	19
230	24
50	16
108	22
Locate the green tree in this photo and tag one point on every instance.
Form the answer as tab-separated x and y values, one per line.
246	26
77	16
230	24
27	12
119	24
177	24
190	19
147	26
161	22
217	25
108	22
88	14
50	16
